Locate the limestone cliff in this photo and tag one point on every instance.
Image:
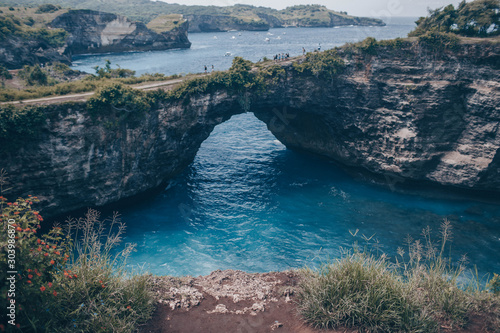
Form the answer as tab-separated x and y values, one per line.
216	23
98	32
403	112
16	52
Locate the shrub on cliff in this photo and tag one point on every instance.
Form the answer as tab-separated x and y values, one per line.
34	75
479	18
47	8
325	65
119	100
18	125
439	41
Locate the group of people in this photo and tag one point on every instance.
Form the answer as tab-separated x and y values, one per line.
281	57
206	68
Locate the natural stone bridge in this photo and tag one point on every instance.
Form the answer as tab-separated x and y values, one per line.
401	114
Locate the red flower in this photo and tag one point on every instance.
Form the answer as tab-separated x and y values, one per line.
16	213
36	213
46	254
75	275
29	282
15	203
30	276
39	249
48	247
128	307
50	284
29	270
103	286
53	246
38	241
54	293
19	229
42	288
57	252
9	203
52	262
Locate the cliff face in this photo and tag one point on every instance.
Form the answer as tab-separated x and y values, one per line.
404	113
217	23
15	52
98	32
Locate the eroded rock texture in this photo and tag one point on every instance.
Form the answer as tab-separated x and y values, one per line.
98	32
406	112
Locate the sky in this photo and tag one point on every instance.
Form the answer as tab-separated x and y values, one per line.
375	8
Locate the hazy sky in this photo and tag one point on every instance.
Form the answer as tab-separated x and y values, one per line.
381	8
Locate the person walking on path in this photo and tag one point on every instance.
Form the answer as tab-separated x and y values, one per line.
205	69
212	68
303	51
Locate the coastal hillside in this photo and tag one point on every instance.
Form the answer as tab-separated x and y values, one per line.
48	33
214	18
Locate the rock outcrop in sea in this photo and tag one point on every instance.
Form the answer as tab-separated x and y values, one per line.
97	32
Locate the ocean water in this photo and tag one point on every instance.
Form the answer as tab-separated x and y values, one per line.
246	202
211	48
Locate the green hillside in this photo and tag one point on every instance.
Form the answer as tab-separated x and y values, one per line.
146	10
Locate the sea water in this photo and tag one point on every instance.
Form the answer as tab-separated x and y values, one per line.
247	202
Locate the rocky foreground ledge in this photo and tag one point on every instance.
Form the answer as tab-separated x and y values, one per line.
236	301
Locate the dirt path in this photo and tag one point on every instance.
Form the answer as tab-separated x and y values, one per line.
85	96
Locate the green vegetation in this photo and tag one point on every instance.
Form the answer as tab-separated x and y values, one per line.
120	99
479	18
34	76
146	11
416	293
47	8
325	65
4	73
362	292
164	23
17	125
69	280
439	42
11	25
108	73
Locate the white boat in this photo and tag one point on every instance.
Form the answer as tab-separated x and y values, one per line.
228	54
239	33
270	34
215	37
234	37
279	37
267	39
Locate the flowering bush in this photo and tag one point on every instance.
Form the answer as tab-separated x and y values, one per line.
36	259
68	281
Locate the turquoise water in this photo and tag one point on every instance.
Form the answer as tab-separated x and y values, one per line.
248	203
